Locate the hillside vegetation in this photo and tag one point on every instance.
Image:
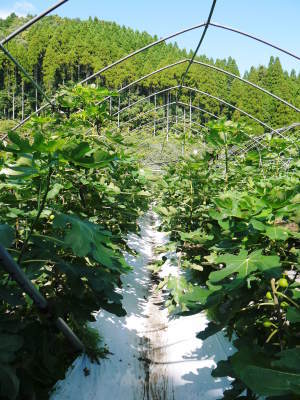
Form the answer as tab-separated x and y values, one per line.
60	50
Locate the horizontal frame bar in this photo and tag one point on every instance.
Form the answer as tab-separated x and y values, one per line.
32	22
22	280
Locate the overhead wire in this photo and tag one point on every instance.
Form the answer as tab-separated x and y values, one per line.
25	73
200	42
32	22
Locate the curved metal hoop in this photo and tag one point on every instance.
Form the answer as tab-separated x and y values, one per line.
228	28
167	105
241	111
226	103
283	130
248	83
216	69
161	120
253	139
107	98
154	44
177	34
256	139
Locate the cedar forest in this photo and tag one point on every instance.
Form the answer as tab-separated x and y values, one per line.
73	183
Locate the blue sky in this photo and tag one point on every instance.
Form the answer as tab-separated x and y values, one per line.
275	20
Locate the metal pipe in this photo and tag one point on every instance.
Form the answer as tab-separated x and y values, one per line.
155	105
154	95
162	119
231	105
144	99
163	106
219	70
200	41
216	69
32	21
180	33
22	280
228	104
228	28
148	76
106	98
19	276
223	71
250	145
19	66
160	41
37	112
168	111
148	46
70	335
197	108
119	103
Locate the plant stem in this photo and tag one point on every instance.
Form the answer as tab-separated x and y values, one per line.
40	210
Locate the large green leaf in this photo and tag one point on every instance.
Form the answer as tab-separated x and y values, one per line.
277	233
22	145
11	296
243	264
9	345
270	382
57	187
86	238
288	360
10	342
9	383
254	369
293	315
7	235
197	236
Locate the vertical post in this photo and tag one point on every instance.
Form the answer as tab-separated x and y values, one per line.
119	105
168	102
13	101
36	92
184	120
155	104
176	114
22	99
110	106
190	110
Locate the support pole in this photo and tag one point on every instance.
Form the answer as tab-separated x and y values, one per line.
32	21
168	112
155	104
25	73
119	105
176	113
190	110
20	277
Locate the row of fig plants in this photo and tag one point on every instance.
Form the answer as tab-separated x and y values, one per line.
234	214
69	191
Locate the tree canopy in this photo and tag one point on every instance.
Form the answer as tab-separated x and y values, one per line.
61	50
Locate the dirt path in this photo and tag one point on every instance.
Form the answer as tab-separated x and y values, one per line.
154	358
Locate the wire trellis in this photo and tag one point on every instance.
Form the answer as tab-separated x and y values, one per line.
180	87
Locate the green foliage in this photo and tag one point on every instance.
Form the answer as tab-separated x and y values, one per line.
239	225
69	189
60	50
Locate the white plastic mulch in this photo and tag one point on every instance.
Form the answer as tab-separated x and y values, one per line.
154	357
